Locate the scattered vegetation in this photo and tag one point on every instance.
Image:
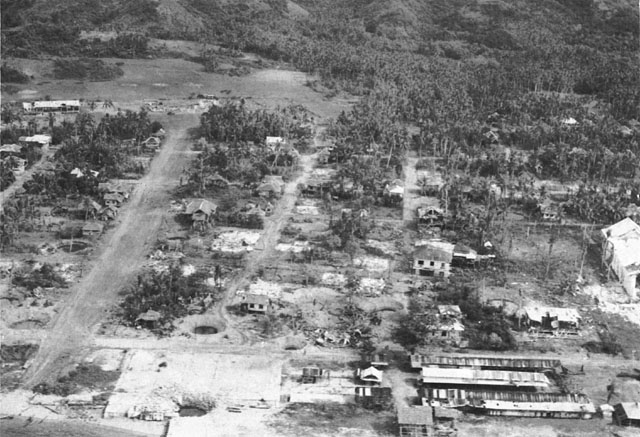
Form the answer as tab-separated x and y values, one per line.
9	74
90	377
169	293
332	415
44	277
486	327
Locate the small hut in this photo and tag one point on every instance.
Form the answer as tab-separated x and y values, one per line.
370	375
149	319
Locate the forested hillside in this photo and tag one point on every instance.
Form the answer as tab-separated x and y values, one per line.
446	69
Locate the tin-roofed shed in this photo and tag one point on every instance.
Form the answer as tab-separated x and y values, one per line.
627	414
257	303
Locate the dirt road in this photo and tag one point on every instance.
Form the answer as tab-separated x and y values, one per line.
411	194
123	253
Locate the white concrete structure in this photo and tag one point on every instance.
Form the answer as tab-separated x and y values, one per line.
621	253
51	106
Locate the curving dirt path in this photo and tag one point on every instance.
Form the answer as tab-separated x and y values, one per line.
122	255
268	240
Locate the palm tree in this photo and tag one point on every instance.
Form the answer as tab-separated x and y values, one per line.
108	104
52	119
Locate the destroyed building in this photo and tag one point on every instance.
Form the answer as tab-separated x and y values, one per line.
550	320
394	191
430	216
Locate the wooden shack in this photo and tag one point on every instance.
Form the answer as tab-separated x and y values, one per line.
415	421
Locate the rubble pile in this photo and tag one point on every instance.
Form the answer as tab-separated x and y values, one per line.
235	241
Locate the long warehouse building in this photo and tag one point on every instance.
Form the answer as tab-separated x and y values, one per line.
484	362
474	377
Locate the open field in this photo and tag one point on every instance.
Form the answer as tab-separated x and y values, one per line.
173	81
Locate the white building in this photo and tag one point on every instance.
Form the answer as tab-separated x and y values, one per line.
621	253
51	106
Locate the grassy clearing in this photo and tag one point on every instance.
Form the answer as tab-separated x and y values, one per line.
620	331
89	69
89	377
12	359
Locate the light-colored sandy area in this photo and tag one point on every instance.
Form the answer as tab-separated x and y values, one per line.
177	376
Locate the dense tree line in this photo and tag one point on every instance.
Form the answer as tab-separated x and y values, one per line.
237	152
235	122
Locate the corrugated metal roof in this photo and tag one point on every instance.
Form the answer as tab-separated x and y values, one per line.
569	407
434	375
255	299
10	148
203	205
434	251
418	361
449	310
462	251
274	140
42	139
631	409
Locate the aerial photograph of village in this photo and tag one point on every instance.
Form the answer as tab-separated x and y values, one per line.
331	218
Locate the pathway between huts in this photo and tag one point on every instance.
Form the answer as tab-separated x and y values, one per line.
266	246
123	252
